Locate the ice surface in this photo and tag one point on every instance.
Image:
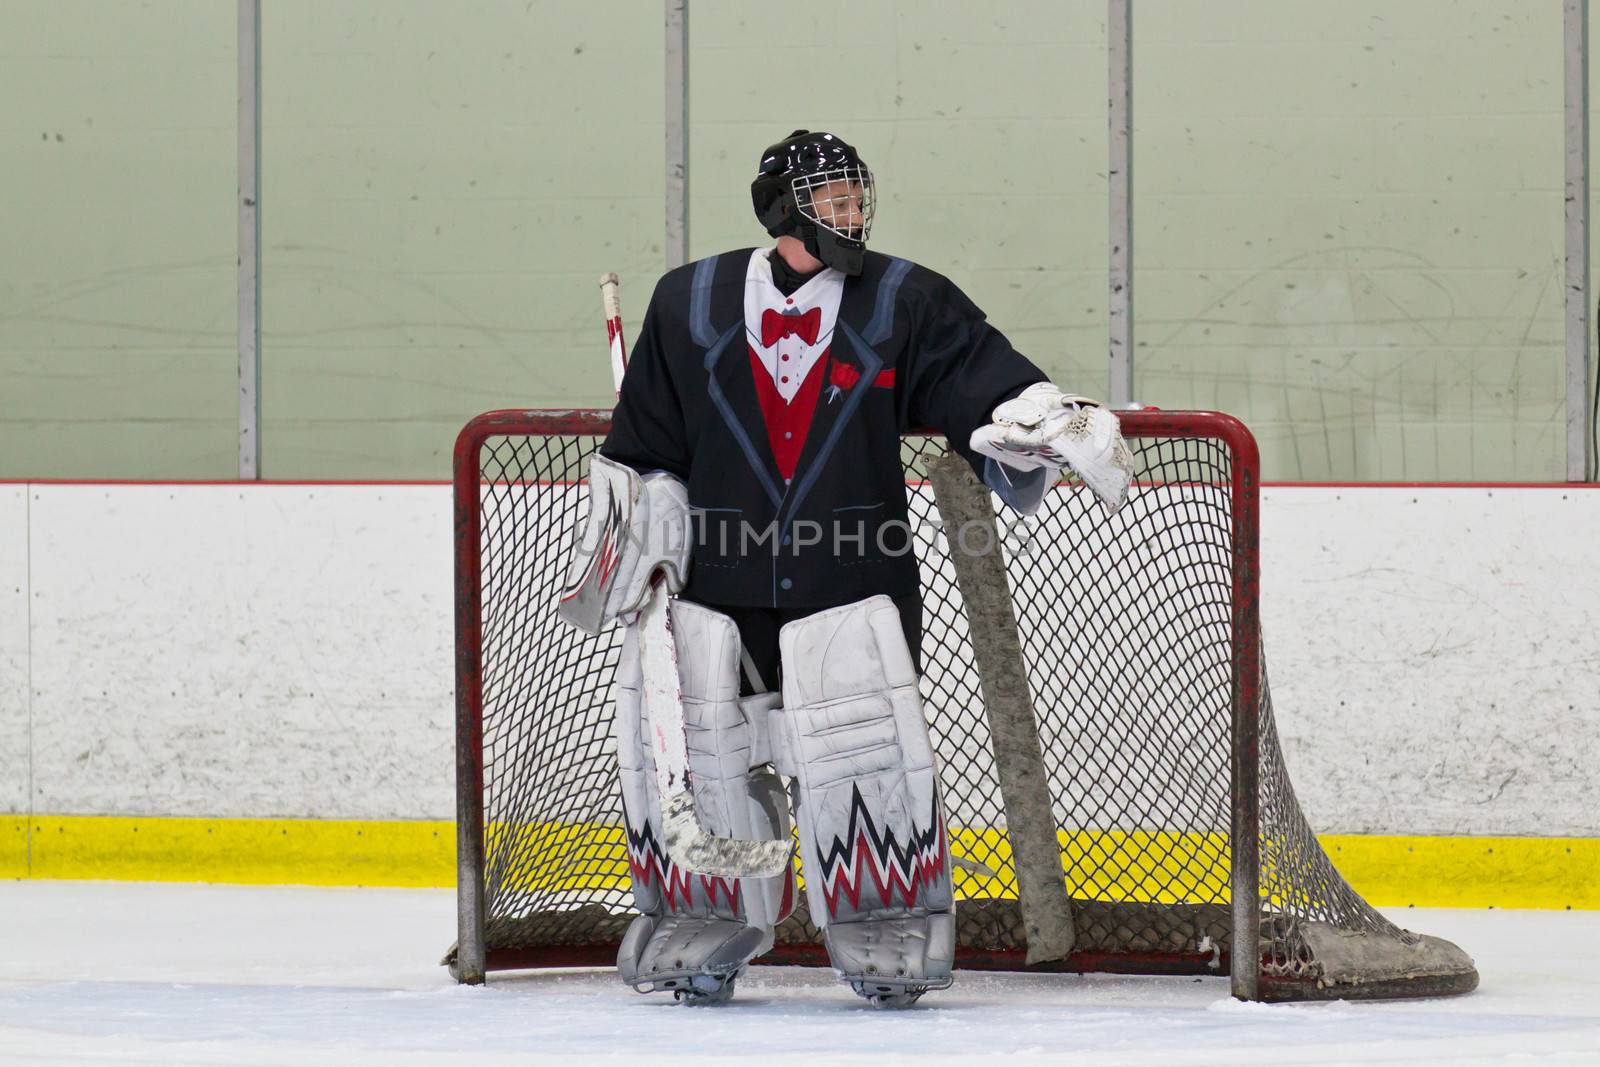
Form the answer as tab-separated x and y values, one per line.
177	974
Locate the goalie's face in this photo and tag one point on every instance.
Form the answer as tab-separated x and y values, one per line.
838	201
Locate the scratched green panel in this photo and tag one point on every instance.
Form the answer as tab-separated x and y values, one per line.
443	184
1349	231
1348	215
984	124
1594	255
117	351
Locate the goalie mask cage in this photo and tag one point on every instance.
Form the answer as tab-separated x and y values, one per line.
1174	813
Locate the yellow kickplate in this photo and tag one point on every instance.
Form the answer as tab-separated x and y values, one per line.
1470	872
250	851
13	846
1390	871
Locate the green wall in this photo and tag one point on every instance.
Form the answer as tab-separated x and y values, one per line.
442	187
118	351
1348	216
1349	231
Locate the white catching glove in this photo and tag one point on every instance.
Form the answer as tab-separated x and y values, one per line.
1044	427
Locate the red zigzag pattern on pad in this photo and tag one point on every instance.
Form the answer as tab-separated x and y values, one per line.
897	870
651	866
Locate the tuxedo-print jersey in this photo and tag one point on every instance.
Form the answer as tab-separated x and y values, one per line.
788	337
783	415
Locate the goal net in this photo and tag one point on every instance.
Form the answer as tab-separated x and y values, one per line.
1177	825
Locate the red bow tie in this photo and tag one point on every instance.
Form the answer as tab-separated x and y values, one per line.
775	326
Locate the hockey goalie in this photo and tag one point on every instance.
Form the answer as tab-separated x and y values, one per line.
748	526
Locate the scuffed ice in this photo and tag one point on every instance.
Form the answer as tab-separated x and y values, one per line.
119	973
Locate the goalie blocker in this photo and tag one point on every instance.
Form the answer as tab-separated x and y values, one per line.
638	527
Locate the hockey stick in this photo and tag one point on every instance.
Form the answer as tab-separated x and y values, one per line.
609	286
687	842
963	502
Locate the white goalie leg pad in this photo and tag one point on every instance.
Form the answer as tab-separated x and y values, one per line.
697	927
735	793
872	835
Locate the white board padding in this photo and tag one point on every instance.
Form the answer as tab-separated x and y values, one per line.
1435	656
243	651
257	651
14	755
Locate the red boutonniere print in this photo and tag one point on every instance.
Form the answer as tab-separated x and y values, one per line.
842	376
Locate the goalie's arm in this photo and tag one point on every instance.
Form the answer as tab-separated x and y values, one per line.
960	371
957	370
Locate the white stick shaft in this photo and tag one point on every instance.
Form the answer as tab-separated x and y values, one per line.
663	700
611	301
687	842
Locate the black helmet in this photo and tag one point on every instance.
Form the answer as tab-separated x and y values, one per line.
794	194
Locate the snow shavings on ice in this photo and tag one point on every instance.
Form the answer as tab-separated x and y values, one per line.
229	975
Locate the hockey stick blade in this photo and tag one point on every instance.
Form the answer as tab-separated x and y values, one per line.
692	849
688	843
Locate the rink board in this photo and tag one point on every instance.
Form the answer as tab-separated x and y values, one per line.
285	651
1389	870
227	655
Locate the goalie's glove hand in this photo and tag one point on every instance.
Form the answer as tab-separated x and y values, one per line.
1042	427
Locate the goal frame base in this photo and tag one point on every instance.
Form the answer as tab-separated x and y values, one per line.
1156	964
